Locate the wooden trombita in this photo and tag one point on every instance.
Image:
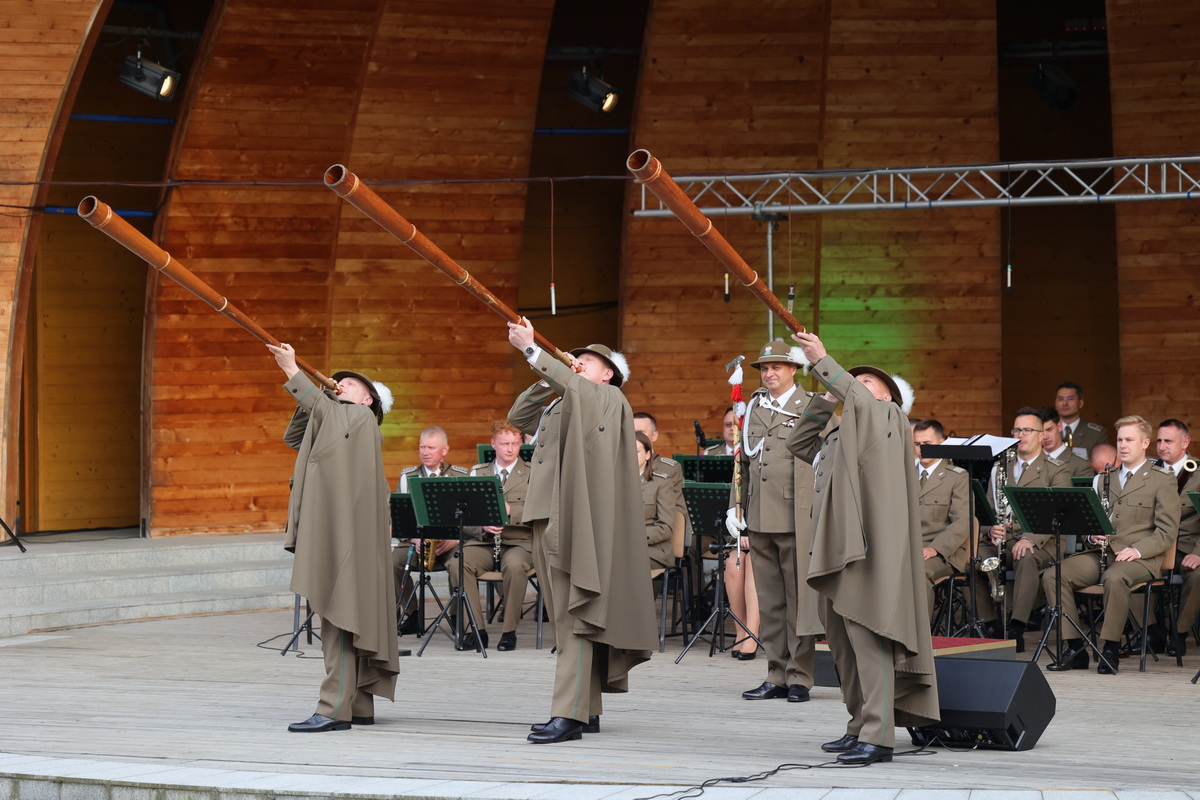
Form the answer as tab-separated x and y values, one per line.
650	173
346	185
101	217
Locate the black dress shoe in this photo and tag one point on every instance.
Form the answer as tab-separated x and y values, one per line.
508	641
411	625
558	729
362	720
1181	650
797	694
740	656
1075	658
470	642
1016	632
768	691
593	725
842	745
318	723
1108	663
864	753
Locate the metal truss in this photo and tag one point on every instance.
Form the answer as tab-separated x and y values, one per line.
1116	180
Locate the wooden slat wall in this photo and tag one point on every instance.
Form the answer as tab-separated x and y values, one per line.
1156	104
39	45
782	85
395	90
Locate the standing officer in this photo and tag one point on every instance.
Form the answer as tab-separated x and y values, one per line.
1144	507
338	529
777	511
589	533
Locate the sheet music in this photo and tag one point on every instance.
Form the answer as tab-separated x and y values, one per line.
997	444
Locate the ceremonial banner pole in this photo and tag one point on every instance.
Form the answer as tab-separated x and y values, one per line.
346	185
650	173
108	222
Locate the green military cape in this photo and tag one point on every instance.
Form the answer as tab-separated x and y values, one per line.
338	527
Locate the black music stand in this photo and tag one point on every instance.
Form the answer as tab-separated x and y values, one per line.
706	469
12	535
707	504
1081	480
1195	498
978	449
1060	512
405	528
450	506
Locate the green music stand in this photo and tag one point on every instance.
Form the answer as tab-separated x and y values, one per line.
486	454
706	469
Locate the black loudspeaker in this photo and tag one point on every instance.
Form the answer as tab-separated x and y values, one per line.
998	705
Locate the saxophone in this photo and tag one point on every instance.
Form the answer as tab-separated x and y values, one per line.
1106	504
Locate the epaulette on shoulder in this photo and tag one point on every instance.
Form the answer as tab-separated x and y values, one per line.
410	470
1164	470
458	469
484	467
1055	461
662	475
1095	427
672	462
956	469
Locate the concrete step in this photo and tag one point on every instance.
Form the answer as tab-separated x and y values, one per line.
100	584
82	557
22	620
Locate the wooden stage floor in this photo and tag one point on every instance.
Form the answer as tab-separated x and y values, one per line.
196	694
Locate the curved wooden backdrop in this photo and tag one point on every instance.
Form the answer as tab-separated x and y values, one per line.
818	85
407	90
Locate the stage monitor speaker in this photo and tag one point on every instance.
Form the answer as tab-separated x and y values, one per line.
998	705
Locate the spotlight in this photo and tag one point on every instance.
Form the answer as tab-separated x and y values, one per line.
149	78
592	92
1056	87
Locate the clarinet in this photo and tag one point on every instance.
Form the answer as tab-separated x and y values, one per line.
1003	468
1106	503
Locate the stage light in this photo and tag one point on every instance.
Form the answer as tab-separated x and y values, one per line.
1056	87
592	92
149	78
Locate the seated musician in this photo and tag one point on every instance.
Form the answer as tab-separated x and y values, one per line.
1144	509
944	503
728	426
1172	449
1027	553
513	556
659	498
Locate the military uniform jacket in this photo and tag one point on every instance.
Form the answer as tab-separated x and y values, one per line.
944	513
1077	465
1042	471
717	450
776	486
444	471
659	500
515	487
1189	521
1088	435
338	526
866	555
671	470
1145	513
584	482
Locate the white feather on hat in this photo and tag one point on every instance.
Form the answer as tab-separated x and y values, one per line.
385	397
797	355
907	395
618	360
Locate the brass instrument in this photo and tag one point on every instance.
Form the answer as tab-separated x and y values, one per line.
1189	464
1106	504
991	566
429	554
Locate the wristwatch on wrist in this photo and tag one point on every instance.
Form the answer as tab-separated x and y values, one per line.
529	351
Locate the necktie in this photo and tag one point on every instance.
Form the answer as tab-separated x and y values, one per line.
1022	466
924	475
503	476
1125	478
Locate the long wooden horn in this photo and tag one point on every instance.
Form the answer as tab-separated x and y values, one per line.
104	219
650	173
346	185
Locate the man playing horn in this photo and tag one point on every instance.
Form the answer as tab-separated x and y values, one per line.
589	544
338	529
